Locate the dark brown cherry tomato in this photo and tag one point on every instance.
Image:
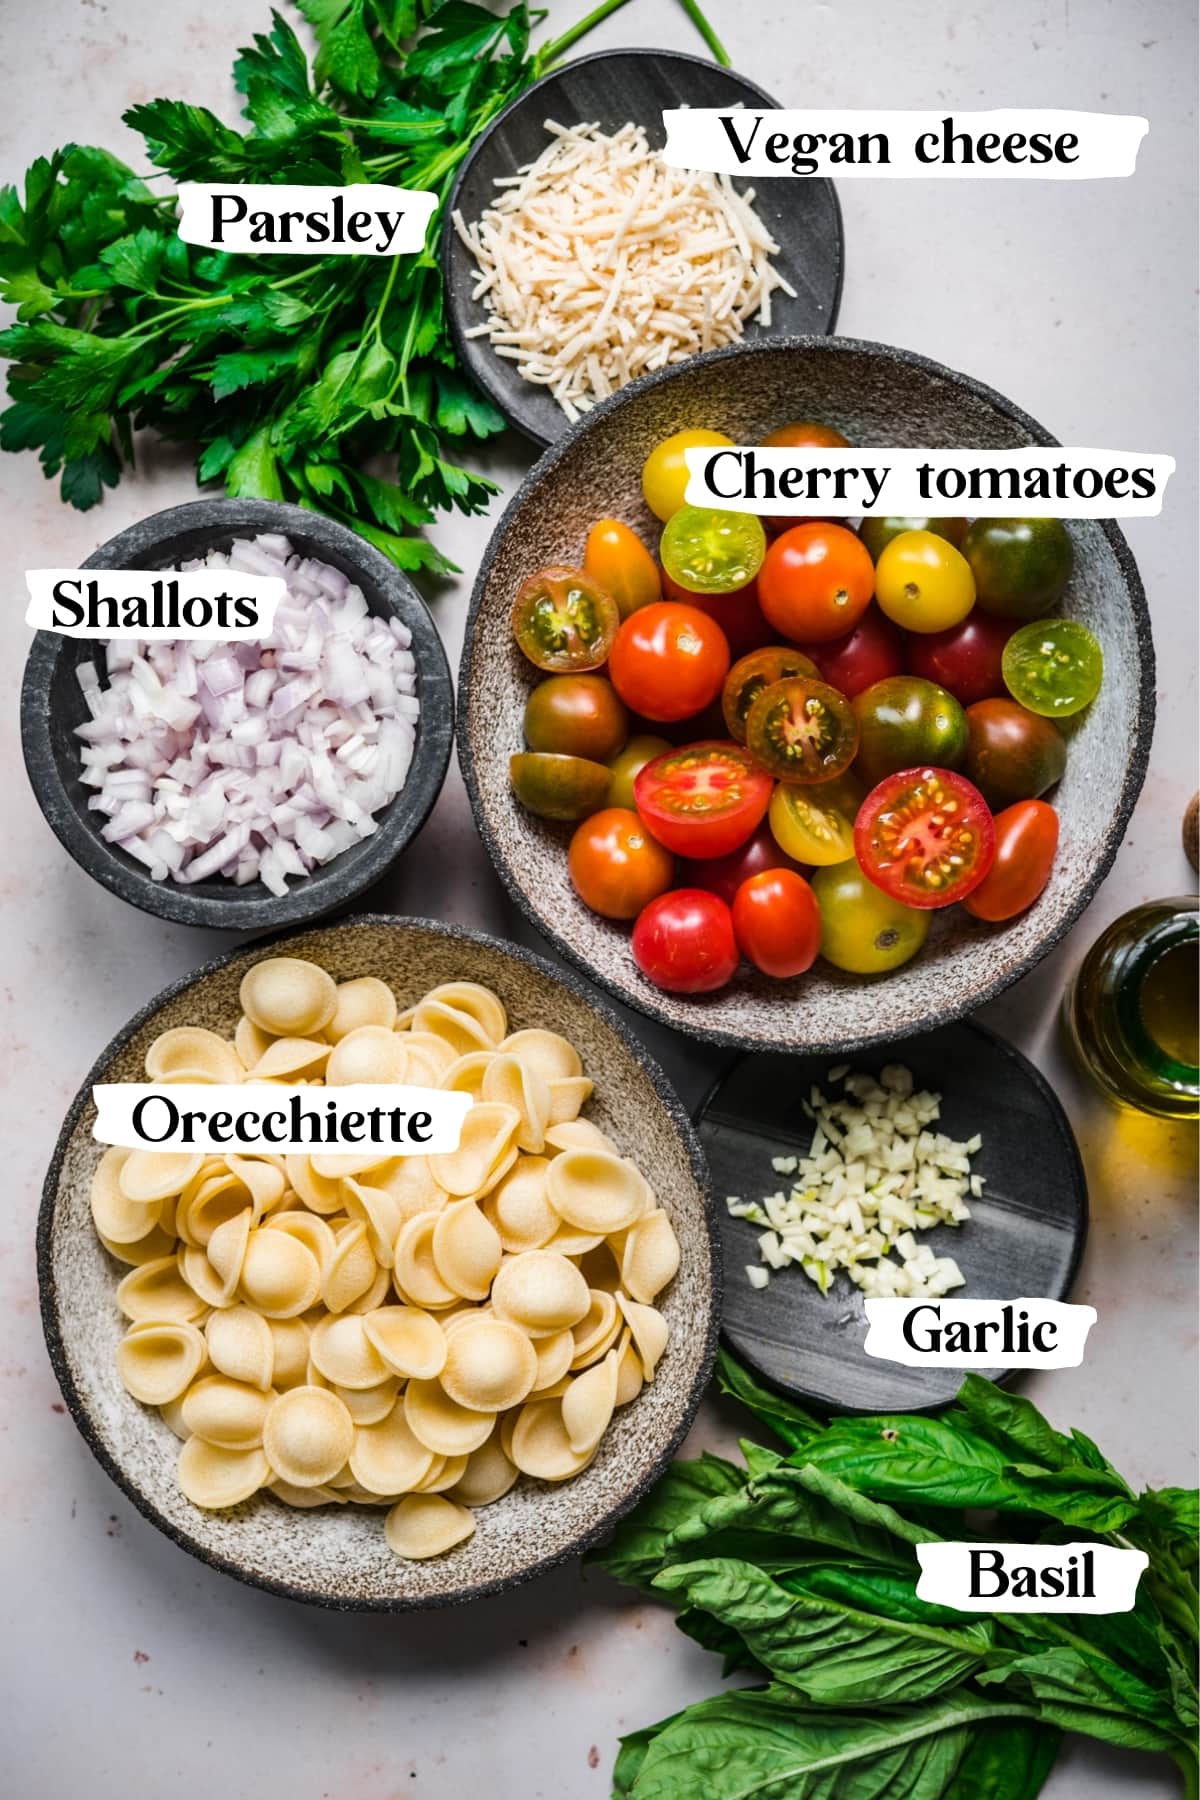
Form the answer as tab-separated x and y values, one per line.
1026	840
816	583
683	942
669	660
877	533
558	787
616	867
925	837
616	557
704	799
751	674
738	614
564	621
802	434
965	658
576	715
904	723
1012	754
777	923
870	653
800	729
724	875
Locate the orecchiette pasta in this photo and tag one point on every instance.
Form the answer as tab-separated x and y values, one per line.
412	1332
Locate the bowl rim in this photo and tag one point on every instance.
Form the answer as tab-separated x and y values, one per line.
484	375
48	1298
305	901
1137	763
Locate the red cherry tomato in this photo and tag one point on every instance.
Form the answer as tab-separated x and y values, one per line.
738	614
816	582
616	867
703	800
777	923
1026	840
668	660
925	836
684	942
869	653
965	658
724	875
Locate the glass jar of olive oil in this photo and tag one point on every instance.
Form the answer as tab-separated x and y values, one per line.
1132	1012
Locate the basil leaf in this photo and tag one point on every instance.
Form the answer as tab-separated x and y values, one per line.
789	1422
1005	1760
637	1549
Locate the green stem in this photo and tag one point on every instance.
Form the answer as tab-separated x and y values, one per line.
557	48
706	32
1185	1762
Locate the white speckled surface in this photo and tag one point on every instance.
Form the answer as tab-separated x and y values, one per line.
128	1668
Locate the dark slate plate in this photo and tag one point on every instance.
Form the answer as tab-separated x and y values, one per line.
612	88
1024	1238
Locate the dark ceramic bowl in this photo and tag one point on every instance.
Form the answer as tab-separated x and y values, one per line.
609	89
874	395
52	705
336	1556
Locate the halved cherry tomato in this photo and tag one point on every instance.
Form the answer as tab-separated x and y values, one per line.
627	764
751	674
816	582
870	653
684	942
704	799
800	729
712	552
1055	667
815	825
965	658
617	558
576	715
923	583
1026	840
558	787
802	434
668	660
738	614
564	620
724	875
777	923
665	473
925	836
616	867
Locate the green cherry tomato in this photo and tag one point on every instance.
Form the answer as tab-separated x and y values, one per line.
624	768
864	930
1054	667
558	787
877	534
923	583
711	552
906	723
1021	566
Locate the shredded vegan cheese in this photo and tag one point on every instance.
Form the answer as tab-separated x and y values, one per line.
875	1174
598	262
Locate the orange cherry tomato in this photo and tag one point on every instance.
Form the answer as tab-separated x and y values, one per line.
802	434
668	661
617	558
1026	840
616	867
816	582
777	923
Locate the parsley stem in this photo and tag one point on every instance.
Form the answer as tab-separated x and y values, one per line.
706	32
558	47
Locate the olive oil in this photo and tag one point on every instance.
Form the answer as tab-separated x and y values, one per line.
1132	1012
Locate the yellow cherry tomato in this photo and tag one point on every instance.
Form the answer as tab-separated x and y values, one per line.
617	558
815	825
665	474
863	930
924	583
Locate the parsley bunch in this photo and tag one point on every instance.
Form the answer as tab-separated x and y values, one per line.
291	375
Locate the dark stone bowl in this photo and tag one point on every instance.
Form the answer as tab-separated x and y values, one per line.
52	705
874	395
336	1556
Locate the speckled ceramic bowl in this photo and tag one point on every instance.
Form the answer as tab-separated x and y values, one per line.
336	1556
875	395
52	704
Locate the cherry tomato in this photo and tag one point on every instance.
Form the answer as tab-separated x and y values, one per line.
904	722
800	729
669	660
1054	667
1012	754
869	653
1026	839
777	923
965	658
564	621
925	836
665	473
803	434
816	582
738	614
724	875
711	552
616	867
816	824
684	942
864	930
627	764
576	715
1021	566
558	787
878	532
617	558
751	674
703	800
924	583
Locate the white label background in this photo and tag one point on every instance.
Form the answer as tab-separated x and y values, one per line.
886	1318
128	584
946	1577
115	1103
196	217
